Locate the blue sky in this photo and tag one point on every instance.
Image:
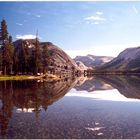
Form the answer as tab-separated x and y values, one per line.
79	28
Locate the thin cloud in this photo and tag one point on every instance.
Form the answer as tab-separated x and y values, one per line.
19	24
29	36
135	9
99	13
34	15
95	18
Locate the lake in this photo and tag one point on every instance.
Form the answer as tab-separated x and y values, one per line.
80	108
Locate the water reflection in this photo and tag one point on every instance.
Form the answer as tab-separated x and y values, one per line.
29	96
91	84
128	86
72	117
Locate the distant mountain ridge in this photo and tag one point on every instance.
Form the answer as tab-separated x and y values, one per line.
92	60
128	60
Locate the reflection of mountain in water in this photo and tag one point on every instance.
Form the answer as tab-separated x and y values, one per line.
129	86
92	84
29	94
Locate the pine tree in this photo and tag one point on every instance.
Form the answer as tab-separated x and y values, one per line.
4	32
23	57
0	61
26	56
46	58
16	62
10	51
8	58
36	58
38	64
4	36
7	49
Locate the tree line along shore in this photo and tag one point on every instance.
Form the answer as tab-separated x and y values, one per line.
21	66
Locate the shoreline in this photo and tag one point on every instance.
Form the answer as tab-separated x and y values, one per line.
28	77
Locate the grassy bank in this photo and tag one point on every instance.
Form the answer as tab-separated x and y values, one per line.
27	77
16	77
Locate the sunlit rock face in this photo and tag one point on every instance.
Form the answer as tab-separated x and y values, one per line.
60	62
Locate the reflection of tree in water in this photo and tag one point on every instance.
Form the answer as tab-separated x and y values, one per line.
29	94
7	105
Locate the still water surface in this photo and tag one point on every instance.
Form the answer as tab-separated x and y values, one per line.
96	107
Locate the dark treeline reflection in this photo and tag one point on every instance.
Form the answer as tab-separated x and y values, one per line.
29	94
